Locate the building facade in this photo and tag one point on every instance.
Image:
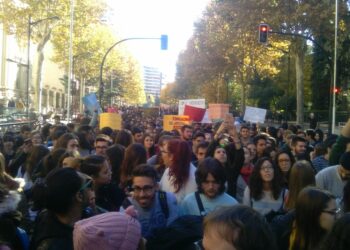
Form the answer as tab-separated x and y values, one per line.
13	77
153	79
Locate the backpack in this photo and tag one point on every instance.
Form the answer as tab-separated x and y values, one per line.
162	200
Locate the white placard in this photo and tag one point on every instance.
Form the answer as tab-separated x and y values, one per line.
255	115
198	103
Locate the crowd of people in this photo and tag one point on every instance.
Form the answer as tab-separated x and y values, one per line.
207	186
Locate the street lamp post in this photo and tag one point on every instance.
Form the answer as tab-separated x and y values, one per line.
164	46
29	33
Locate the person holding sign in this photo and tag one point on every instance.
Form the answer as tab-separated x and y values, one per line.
226	138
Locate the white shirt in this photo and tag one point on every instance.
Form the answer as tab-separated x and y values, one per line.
190	186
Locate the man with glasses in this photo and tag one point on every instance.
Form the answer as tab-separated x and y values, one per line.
335	177
102	143
155	209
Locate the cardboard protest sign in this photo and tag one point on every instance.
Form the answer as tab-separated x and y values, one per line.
171	122
195	114
255	115
199	103
218	110
112	120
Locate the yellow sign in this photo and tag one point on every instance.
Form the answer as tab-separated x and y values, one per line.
112	120
171	122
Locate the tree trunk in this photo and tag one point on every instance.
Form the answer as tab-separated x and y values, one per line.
40	51
300	46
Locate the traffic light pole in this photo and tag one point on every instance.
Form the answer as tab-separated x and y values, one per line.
163	38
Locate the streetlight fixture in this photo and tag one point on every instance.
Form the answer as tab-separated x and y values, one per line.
29	30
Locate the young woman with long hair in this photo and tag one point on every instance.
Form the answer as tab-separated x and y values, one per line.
148	143
265	192
135	154
301	175
315	214
108	195
284	161
179	176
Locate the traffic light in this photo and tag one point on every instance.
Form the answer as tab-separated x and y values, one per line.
263	32
336	90
164	42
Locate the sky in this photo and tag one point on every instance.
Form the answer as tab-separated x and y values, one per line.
152	18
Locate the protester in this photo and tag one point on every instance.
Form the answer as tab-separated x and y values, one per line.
70	142
197	138
339	238
10	219
102	142
186	133
284	161
137	134
124	138
245	173
115	156
201	151
135	154
237	227
335	177
155	209
148	143
315	212
65	196
301	175
157	160
210	179
179	176
265	192
108	231
298	148
108	195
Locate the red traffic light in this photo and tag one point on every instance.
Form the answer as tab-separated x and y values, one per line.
263	32
336	90
263	28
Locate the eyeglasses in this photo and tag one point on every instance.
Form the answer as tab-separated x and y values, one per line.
333	212
266	168
87	185
146	189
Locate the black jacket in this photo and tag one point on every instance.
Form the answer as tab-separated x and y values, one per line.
51	234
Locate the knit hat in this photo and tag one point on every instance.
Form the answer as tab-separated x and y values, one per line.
345	160
107	231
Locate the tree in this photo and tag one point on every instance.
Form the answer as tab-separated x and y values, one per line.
42	31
